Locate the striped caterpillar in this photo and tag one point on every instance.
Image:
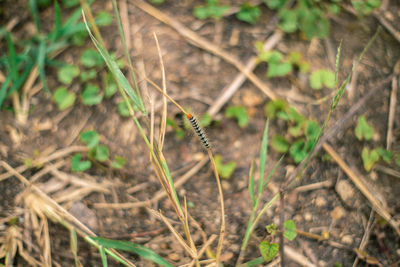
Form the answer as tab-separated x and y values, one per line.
198	130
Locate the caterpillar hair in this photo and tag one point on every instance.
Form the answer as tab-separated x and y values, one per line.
198	130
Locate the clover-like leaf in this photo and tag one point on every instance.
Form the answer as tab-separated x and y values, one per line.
249	13
369	157
67	73
290	230
321	78
268	250
99	152
90	138
239	113
280	144
78	165
91	58
63	98
91	95
118	162
363	129
224	170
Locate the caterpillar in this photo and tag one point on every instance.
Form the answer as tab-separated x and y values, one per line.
198	130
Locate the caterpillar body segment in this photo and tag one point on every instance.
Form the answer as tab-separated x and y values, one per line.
198	130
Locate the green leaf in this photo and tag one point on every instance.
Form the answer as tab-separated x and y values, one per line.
289	20
268	250
313	22
273	107
275	4
295	116
70	3
298	151
386	155
67	73
118	163
249	13
279	144
103	18
33	6
279	69
122	109
321	78
224	170
103	256
90	138
369	157
239	113
205	120
290	230
271	228
41	57
110	86
79	166
143	252
88	75
91	58
311	130
263	159
363	129
63	98
211	10
91	96
251	185
157	2
99	152
254	262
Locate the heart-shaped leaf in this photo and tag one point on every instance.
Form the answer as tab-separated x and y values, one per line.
369	157
268	250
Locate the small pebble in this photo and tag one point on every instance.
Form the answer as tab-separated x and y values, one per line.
345	191
226	256
173	257
347	239
307	216
320	202
338	213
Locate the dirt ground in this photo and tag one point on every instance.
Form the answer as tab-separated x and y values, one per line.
195	78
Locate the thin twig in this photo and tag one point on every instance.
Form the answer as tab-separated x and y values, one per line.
392	107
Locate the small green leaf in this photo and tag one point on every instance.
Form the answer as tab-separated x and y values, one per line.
122	109
79	166
224	170
70	3
275	4
311	130
239	113
205	120
110	86
211	10
321	78
63	98
118	163
271	228
90	138
249	13
143	252
103	18
369	157
363	129
289	20
298	151
279	144
268	250
290	230
295	116
157	2
273	107
88	75
99	152
91	96
91	58
67	73
279	69
386	155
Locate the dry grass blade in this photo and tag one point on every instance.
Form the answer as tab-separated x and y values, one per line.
204	44
392	107
175	233
375	203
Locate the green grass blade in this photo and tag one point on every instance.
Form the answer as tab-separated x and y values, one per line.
134	248
263	157
35	13
74	246
21	78
12	58
253	262
121	33
103	256
57	31
337	64
272	172
40	63
117	73
251	184
3	89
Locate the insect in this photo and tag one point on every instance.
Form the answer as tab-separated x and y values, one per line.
198	130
